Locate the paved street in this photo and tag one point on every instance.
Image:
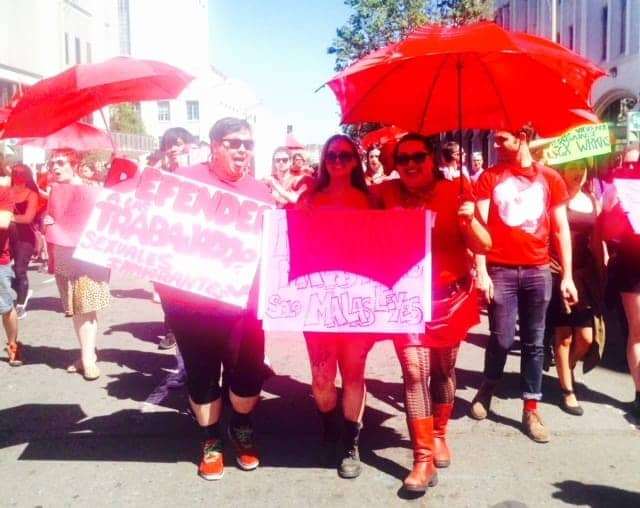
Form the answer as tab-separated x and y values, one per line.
67	442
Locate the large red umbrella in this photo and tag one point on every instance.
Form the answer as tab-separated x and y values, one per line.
78	136
477	76
381	136
56	102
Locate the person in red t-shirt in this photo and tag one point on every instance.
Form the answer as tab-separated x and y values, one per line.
428	360
7	309
523	204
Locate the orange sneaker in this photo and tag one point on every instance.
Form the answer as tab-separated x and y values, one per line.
211	466
14	351
246	451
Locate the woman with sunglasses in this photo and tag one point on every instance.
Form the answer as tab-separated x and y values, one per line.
83	287
340	185
22	234
428	360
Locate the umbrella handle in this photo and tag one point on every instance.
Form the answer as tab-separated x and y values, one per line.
106	126
460	135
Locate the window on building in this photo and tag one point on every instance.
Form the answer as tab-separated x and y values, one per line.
193	110
164	111
605	31
570	42
623	27
66	48
124	27
88	55
78	53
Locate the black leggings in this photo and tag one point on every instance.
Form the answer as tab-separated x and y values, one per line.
212	336
21	252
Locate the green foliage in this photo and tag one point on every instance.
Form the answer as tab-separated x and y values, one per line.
377	23
461	12
374	24
125	118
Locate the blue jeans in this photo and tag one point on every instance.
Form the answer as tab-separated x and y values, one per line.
523	292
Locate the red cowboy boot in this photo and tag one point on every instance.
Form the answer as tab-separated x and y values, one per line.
424	473
441	453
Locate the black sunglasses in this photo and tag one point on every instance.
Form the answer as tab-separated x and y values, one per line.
235	143
282	159
343	157
402	159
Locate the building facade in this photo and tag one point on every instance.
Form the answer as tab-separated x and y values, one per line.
607	32
179	35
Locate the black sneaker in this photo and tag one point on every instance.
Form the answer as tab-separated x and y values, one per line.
247	455
350	465
168	341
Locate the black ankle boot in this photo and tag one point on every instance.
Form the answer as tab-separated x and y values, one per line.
331	431
350	465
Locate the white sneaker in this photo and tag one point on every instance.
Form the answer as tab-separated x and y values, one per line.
21	311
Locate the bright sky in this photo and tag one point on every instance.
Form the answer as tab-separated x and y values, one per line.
279	48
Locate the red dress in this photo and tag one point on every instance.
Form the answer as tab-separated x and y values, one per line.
455	307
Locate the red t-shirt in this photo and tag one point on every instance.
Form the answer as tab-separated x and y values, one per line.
520	211
6	205
450	258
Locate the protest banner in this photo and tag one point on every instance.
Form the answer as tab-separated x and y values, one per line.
628	191
196	237
347	301
578	143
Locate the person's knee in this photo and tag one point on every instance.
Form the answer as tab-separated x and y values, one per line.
323	380
564	342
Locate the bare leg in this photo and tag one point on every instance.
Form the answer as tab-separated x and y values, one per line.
207	414
243	405
582	341
10	323
562	349
86	327
352	357
323	357
631	304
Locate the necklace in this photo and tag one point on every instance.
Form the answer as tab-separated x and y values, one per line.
418	198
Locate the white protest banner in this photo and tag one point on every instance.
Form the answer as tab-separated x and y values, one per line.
179	232
340	301
628	191
578	143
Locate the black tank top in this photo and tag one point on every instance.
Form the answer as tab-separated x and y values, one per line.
23	232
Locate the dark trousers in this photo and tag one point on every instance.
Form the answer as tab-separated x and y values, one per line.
21	251
521	292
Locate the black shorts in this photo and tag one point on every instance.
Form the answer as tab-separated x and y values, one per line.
212	336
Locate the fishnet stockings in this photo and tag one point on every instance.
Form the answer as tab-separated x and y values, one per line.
443	375
421	365
415	365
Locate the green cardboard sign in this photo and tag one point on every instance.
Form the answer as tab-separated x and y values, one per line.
578	143
633	119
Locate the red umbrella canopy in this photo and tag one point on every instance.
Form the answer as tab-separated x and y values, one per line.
382	136
78	136
477	76
291	142
56	102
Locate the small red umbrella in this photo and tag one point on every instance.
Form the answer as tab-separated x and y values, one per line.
56	102
78	136
382	136
292	143
477	76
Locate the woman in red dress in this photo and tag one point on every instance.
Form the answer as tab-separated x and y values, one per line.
340	185
428	360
